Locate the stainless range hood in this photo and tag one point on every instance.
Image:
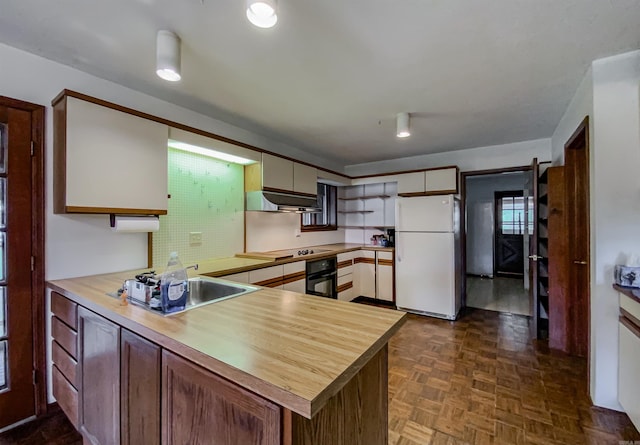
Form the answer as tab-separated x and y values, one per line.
281	202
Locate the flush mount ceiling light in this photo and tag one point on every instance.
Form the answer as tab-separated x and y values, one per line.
168	56
402	125
262	13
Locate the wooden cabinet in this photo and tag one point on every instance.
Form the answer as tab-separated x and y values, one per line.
384	276
200	408
281	175
364	274
107	160
99	387
629	358
345	276
139	390
242	277
436	181
295	277
267	276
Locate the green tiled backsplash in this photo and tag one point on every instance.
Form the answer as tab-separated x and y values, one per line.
207	196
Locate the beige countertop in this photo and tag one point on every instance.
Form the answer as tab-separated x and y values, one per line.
296	350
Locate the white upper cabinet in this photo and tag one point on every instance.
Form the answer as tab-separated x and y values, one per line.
305	179
282	175
277	173
411	182
444	180
108	161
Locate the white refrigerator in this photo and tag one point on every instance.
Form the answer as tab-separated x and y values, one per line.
428	256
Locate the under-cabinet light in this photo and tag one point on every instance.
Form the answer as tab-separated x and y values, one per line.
210	153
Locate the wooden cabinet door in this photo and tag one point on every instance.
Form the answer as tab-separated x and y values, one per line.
99	391
200	408
139	390
443	180
305	179
384	276
364	274
277	173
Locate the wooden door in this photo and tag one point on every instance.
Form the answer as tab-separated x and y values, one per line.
99	359
200	408
510	228
17	187
576	158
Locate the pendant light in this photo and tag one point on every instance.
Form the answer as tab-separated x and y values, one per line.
168	56
402	125
262	13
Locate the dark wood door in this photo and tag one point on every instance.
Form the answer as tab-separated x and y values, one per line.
99	391
140	390
576	157
17	391
200	408
510	228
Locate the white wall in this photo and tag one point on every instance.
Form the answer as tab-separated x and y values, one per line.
480	158
580	106
615	207
79	245
480	215
279	231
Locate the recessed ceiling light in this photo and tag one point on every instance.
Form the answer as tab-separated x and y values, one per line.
262	13
168	56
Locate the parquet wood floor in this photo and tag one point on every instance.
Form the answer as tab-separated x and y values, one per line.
481	381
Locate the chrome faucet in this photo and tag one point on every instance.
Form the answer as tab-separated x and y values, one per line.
194	267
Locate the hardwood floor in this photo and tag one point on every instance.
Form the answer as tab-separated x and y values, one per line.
481	381
477	381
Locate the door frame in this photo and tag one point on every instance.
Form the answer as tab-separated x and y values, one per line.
37	248
463	213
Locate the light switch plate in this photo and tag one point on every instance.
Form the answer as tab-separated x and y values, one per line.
195	238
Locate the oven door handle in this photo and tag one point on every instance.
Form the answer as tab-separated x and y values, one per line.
322	275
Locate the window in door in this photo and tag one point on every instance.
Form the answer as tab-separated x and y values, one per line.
514	220
327	218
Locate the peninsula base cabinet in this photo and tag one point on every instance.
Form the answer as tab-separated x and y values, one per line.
132	391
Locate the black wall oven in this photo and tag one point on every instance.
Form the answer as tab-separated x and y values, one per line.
322	278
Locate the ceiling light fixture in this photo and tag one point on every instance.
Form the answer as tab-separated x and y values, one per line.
402	125
168	56
262	13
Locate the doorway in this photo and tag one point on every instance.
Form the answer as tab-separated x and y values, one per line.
22	381
497	230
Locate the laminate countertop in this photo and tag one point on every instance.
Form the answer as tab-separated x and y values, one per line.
296	350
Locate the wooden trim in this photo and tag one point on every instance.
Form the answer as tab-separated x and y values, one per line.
364	260
402	172
318	228
271	282
123	109
149	250
632	318
628	291
288	192
635	330
433	193
107	210
382	262
583	126
293	277
345	263
37	246
493	171
60	157
345	286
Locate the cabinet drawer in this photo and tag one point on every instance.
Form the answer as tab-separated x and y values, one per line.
347	256
65	309
385	258
365	256
345	267
64	362
242	277
65	336
268	277
66	395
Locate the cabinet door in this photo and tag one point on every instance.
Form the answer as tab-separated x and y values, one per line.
364	274
139	390
295	276
345	263
305	179
411	183
99	360
629	369
345	287
267	276
384	276
277	173
113	161
444	180
200	408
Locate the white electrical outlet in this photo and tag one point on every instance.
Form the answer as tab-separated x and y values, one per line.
195	237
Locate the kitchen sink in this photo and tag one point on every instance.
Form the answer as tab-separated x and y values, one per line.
203	291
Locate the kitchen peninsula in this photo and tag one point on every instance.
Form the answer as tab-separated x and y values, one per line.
270	367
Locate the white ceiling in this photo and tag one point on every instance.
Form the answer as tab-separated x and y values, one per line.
330	77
